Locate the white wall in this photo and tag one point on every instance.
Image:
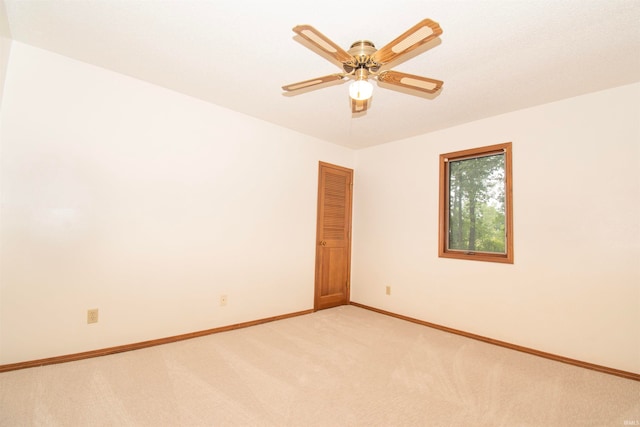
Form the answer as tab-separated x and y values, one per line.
5	47
146	204
149	205
574	289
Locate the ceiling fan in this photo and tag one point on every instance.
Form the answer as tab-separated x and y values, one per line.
363	61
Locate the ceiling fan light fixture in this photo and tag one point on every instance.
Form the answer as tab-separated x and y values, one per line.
361	89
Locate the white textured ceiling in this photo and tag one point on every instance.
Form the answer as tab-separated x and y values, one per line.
494	56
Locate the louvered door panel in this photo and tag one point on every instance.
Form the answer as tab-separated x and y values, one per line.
333	254
334	216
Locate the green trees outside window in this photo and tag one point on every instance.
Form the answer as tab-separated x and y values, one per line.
475	204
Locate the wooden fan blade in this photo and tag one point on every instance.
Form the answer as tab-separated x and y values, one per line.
312	82
359	106
320	40
421	33
410	81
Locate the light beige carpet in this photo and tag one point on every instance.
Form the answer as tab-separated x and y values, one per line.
345	366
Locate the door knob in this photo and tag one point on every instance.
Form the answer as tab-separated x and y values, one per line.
323	243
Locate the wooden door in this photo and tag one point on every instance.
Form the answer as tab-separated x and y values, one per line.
333	242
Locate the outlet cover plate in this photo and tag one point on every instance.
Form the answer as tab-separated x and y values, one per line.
92	315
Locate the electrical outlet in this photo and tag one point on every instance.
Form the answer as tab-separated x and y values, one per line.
223	300
388	291
92	315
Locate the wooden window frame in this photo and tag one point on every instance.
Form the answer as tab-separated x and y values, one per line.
443	229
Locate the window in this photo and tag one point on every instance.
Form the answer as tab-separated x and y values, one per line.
476	209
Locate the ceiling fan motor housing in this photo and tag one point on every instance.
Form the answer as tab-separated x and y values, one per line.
361	51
